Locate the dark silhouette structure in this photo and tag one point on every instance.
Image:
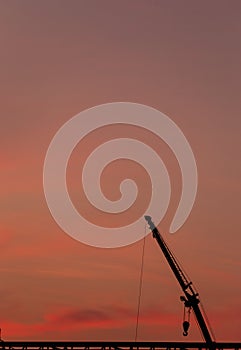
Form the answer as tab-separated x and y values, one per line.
115	345
190	297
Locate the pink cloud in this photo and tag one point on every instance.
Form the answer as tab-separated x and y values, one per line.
70	319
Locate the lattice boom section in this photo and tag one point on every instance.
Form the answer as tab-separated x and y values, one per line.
41	345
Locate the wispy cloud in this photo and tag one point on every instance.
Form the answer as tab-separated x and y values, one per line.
70	319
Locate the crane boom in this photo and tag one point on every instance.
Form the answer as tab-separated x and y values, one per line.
190	299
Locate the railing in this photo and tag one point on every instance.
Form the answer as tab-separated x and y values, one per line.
115	345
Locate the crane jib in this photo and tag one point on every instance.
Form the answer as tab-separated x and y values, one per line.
190	299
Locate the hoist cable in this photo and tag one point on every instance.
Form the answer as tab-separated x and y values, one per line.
140	286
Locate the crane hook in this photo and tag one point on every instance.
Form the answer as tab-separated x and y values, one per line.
186	326
186	316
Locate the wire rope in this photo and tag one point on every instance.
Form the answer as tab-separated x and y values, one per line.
140	286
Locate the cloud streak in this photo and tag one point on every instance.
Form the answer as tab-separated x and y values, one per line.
70	319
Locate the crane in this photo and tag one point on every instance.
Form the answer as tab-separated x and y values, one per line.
190	297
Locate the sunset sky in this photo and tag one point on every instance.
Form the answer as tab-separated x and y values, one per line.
59	58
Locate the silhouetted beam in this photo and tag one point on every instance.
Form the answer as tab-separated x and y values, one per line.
74	345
